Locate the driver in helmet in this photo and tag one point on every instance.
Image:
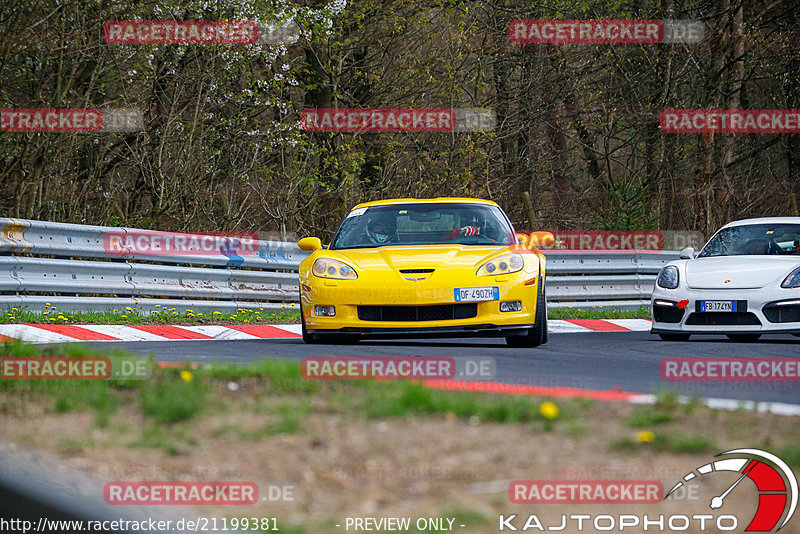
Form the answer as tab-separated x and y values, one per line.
382	230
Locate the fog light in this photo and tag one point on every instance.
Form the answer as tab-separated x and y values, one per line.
324	311
514	306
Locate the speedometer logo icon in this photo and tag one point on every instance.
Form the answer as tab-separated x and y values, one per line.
776	484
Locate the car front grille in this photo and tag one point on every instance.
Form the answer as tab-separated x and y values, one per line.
667	314
782	314
438	312
723	319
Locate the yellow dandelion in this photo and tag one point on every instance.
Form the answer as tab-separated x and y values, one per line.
124	316
548	410
128	308
645	436
186	375
46	313
217	313
14	309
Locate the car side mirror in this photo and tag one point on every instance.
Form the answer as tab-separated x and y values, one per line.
687	253
310	244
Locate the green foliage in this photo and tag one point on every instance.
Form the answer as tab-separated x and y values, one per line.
159	316
168	398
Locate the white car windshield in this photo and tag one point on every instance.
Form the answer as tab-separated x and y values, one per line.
754	239
424	224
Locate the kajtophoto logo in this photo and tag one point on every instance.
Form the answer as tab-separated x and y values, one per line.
776	484
776	499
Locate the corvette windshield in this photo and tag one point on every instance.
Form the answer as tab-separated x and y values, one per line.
754	239
424	224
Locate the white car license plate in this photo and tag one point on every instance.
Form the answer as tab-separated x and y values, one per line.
717	305
474	294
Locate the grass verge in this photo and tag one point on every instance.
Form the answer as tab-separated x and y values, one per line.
51	315
280	400
597	313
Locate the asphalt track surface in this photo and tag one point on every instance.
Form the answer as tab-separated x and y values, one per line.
627	361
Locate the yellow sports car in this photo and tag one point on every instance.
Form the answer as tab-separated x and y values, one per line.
442	267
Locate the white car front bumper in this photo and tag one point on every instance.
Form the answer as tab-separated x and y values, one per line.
759	311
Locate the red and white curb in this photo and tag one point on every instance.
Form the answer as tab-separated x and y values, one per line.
61	333
597	325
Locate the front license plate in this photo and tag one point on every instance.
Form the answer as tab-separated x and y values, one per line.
717	305
473	294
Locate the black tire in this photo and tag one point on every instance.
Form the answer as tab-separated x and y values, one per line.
675	337
538	334
307	337
544	298
743	338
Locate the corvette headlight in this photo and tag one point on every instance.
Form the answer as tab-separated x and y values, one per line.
507	263
793	280
668	277
326	268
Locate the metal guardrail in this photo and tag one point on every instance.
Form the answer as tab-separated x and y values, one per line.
622	280
68	266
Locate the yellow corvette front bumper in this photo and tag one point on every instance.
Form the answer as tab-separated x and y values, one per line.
372	304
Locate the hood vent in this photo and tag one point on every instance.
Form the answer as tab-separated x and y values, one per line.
416	271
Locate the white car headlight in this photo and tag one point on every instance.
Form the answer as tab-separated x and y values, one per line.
327	268
668	277
793	280
507	263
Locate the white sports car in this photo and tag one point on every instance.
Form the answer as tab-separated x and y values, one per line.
744	283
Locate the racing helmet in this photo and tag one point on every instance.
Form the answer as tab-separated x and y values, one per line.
381	229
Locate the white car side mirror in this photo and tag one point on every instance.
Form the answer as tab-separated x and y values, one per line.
687	253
